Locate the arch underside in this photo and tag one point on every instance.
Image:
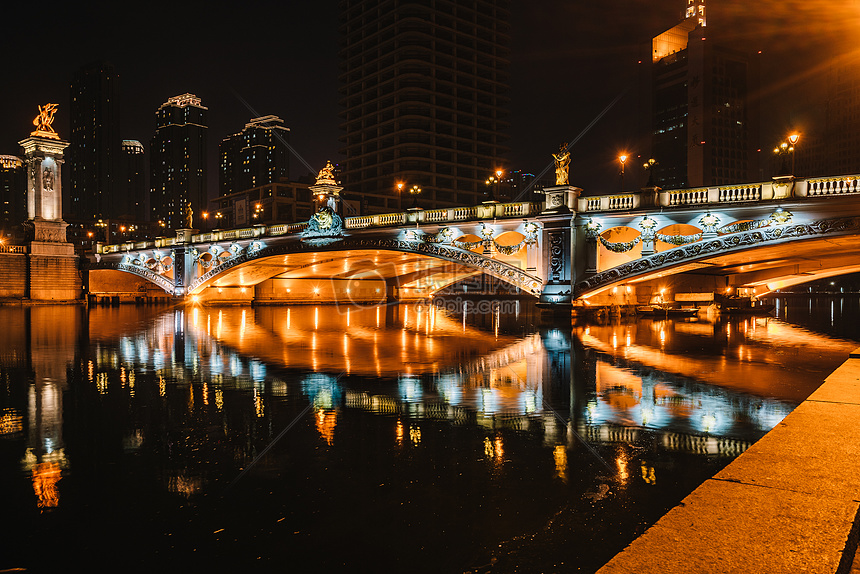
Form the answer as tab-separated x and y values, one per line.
770	258
165	283
424	266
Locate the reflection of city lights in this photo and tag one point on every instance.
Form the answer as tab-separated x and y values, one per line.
648	474
415	434
46	475
621	461
11	422
398	433
325	421
559	454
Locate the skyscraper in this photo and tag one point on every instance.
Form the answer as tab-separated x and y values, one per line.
178	160
256	156
13	192
424	98
94	149
704	116
133	179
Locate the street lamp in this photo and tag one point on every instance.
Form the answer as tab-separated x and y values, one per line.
415	191
623	159
649	167
493	181
400	194
782	150
792	139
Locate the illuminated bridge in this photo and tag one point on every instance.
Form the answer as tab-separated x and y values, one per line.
609	249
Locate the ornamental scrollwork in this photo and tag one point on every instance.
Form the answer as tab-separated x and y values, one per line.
723	244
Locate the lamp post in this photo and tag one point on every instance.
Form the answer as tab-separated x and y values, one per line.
493	181
792	139
782	150
623	159
400	194
415	190
649	167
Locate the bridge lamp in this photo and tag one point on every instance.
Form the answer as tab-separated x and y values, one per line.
792	139
623	159
415	191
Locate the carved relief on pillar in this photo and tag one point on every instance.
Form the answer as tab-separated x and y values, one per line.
556	255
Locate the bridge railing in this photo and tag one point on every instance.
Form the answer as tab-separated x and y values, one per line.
430	216
780	188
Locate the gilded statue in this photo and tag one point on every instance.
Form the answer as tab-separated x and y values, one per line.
562	161
44	120
326	174
189	215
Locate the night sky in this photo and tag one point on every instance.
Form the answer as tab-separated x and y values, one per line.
570	59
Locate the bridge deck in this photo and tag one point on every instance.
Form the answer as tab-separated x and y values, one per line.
788	504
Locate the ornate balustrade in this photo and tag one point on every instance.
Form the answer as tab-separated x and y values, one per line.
780	188
449	215
833	186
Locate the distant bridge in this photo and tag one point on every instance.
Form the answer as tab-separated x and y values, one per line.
613	249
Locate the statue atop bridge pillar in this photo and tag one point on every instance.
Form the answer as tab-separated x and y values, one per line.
53	270
326	189
562	197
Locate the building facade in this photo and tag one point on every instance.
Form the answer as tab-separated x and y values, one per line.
13	193
94	150
424	98
704	112
134	179
178	161
257	155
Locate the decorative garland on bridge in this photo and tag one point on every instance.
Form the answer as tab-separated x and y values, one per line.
763	231
619	247
679	239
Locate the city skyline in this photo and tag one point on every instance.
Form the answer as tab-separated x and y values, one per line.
569	62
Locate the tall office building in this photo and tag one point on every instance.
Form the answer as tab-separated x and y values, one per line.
256	156
177	161
94	150
13	192
424	87
704	116
133	179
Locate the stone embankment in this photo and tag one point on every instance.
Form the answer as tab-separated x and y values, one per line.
788	504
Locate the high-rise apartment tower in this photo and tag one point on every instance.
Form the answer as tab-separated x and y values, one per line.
424	97
256	156
177	161
94	150
704	113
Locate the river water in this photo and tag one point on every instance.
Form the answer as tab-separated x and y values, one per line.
390	439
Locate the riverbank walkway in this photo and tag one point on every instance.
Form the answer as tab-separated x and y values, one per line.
788	504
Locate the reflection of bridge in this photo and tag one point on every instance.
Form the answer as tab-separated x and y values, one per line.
756	237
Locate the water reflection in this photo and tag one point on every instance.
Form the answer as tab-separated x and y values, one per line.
488	418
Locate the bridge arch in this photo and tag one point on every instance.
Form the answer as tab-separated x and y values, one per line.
469	262
832	243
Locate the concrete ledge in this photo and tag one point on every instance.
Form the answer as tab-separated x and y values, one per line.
788	504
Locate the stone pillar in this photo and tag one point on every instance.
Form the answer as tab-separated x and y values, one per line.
327	195
53	265
561	199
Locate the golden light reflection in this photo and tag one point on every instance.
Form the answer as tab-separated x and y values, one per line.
398	433
219	399
11	422
162	386
648	474
621	462
259	408
326	421
46	475
559	454
415	434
